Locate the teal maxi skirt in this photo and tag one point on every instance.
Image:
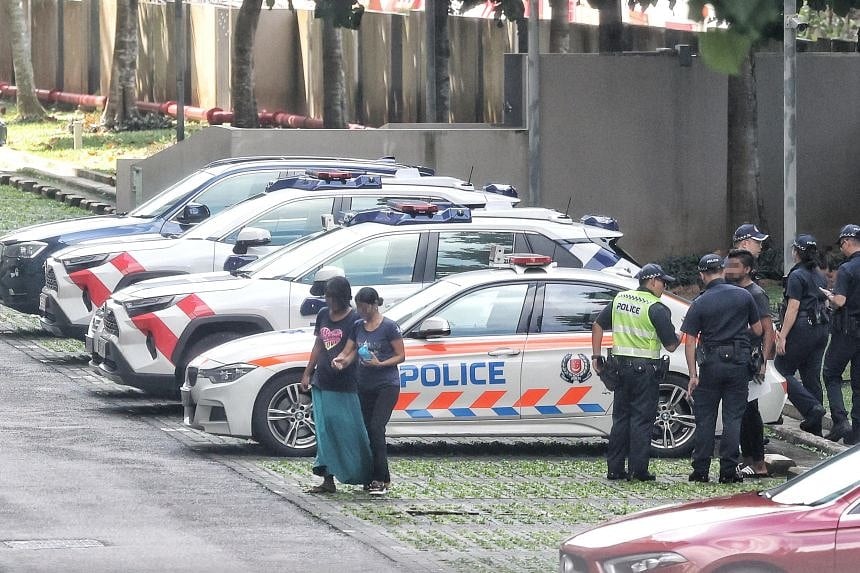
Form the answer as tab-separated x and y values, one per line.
343	449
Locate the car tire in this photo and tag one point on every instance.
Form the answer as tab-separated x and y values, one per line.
674	425
749	568
283	417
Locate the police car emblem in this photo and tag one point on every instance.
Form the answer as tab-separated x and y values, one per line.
575	368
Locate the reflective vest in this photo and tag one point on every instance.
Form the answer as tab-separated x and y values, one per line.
633	334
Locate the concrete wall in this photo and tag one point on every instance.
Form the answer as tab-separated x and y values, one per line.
637	137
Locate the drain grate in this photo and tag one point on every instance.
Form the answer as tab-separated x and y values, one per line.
50	544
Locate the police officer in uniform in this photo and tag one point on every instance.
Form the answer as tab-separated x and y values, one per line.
845	339
749	238
640	325
802	336
718	348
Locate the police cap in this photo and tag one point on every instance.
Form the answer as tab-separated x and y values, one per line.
710	262
749	231
804	242
653	271
849	232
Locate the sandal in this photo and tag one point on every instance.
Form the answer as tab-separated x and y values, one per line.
322	488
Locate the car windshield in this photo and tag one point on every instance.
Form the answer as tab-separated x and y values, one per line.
823	483
404	310
167	200
294	257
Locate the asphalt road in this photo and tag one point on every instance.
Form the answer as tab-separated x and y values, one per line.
86	485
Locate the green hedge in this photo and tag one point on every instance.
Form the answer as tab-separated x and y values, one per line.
685	267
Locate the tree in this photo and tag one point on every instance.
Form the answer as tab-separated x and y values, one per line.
559	27
611	30
336	14
29	108
120	112
242	65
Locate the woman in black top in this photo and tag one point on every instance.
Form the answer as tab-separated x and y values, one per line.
802	337
343	451
377	342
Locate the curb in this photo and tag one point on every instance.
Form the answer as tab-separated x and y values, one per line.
790	431
88	195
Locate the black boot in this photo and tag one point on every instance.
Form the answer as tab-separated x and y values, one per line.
812	422
840	429
853	437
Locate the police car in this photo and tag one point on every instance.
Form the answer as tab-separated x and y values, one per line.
147	333
176	209
500	352
79	279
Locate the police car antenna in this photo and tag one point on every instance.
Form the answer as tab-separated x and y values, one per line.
469	180
569	199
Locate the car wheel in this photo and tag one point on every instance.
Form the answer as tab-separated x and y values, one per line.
283	417
748	568
674	425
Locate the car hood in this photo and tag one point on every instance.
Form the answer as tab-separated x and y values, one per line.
262	349
76	230
678	523
181	284
147	242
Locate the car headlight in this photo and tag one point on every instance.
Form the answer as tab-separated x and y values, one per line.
26	250
228	373
570	564
144	305
82	262
642	562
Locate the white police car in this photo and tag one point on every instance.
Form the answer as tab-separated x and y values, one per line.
79	279
500	352
147	333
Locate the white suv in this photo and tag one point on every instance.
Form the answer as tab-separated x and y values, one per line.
146	334
79	279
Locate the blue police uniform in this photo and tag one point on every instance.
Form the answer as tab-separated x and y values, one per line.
720	317
638	391
844	345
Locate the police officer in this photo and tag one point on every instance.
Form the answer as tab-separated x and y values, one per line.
802	336
641	324
749	238
845	339
718	348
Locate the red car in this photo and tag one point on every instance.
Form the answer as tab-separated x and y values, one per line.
808	524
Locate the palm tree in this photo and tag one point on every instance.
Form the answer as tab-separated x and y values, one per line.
29	108
121	113
242	65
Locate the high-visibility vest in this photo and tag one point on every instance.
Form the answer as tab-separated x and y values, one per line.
633	334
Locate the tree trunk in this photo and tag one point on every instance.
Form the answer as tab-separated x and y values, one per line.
29	108
745	202
443	54
522	36
334	84
611	31
242	68
121	110
559	27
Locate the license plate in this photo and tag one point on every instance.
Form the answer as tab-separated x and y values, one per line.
88	344
43	302
100	343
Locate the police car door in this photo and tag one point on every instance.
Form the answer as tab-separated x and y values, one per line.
557	375
474	372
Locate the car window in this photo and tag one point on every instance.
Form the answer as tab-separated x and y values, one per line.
238	187
290	221
461	251
379	261
571	307
542	245
372	202
488	311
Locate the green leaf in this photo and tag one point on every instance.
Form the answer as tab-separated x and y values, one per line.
724	50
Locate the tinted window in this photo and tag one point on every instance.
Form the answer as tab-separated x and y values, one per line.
231	190
291	221
489	311
461	251
559	253
380	261
571	307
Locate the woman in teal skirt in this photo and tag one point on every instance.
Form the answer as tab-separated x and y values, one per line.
343	450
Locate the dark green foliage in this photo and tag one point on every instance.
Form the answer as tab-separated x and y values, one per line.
342	13
770	264
143	121
682	267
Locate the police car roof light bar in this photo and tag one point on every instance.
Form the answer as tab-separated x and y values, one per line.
413	207
333	175
388	216
308	183
528	260
501	189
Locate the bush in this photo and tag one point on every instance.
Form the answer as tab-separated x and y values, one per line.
683	267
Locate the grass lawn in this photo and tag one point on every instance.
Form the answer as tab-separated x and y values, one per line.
21	208
53	139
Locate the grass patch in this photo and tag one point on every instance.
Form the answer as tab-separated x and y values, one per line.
22	208
53	139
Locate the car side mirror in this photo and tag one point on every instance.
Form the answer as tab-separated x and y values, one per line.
251	237
312	306
433	327
235	262
193	213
